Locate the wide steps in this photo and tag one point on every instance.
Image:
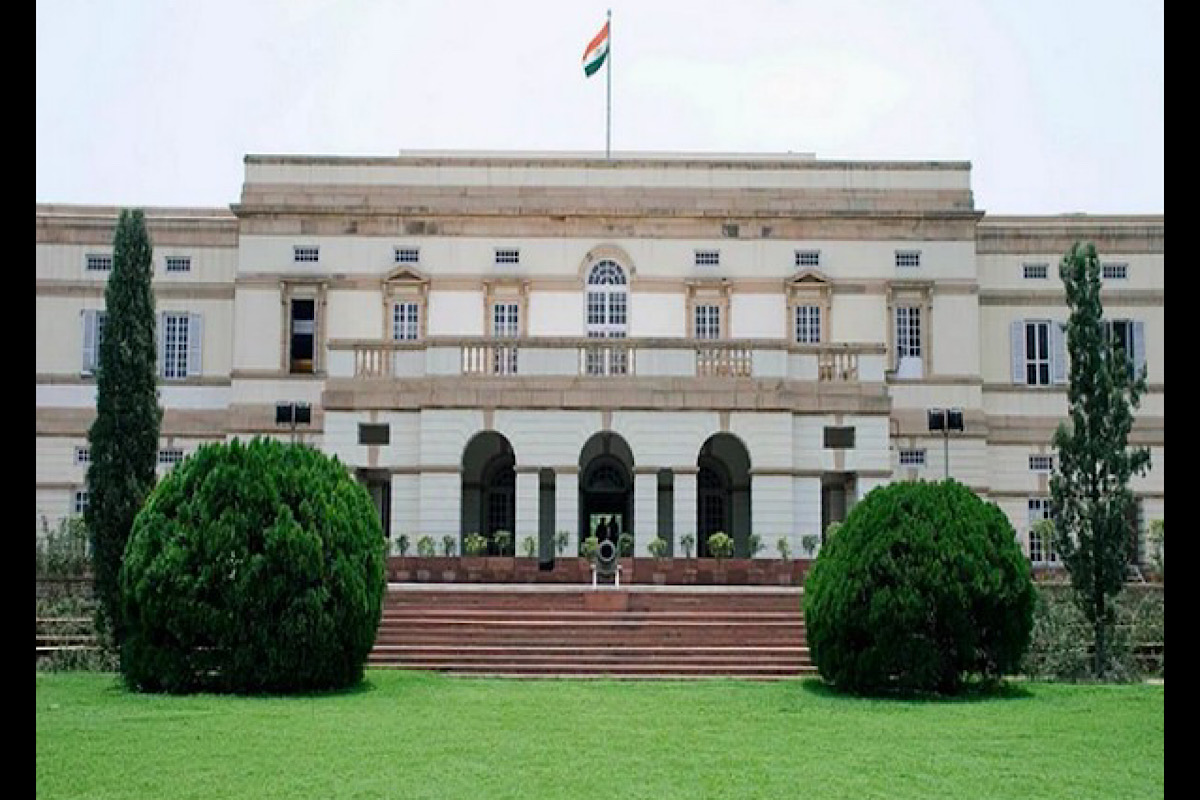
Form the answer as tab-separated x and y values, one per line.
584	632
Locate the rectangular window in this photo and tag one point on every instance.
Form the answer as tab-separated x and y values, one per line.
808	258
170	456
505	325
1113	271
79	502
708	258
175	345
840	438
303	335
508	256
374	434
99	262
908	332
83	455
908	258
1040	552
306	254
912	458
708	322
406	321
808	324
1036	271
407	255
93	334
1121	331
1037	353
179	263
1041	463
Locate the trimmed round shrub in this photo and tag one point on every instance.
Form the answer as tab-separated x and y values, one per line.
252	568
923	586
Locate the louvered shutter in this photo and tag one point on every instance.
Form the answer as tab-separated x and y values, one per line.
90	353
162	344
195	344
1058	352
1139	347
1017	337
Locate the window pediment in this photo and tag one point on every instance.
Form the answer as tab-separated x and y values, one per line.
405	276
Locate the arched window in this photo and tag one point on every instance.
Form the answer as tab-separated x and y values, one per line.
607	311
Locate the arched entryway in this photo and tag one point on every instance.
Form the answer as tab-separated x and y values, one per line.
723	493
605	487
488	487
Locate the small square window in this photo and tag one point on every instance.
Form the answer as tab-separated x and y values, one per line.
508	256
306	254
912	458
79	501
99	262
1114	271
170	456
708	258
1041	463
374	434
179	263
83	455
839	438
908	258
1036	271
808	258
407	255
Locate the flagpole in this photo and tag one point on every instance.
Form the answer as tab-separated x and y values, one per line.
608	94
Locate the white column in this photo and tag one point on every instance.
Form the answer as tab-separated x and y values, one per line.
441	506
645	511
566	508
406	505
771	511
527	506
806	494
685	507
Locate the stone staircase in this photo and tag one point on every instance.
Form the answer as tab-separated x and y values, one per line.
576	631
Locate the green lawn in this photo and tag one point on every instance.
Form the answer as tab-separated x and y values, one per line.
411	735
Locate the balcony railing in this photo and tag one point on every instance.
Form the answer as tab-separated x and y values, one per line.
615	358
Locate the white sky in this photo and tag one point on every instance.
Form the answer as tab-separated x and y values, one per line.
1058	105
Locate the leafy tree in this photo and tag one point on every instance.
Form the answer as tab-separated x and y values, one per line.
923	586
253	567
1090	497
124	435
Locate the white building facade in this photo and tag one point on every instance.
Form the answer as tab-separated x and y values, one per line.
669	345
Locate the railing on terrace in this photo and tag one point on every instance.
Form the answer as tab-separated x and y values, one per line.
578	356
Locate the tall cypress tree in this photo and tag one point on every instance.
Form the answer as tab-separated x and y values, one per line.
1090	498
124	435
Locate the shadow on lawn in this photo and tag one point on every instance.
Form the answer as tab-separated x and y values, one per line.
971	693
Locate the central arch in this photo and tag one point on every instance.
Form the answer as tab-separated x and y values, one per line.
488	487
605	487
723	493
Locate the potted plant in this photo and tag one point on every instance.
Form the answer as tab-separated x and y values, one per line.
809	542
658	547
720	547
785	548
688	543
756	545
561	540
529	546
401	545
449	545
425	547
504	543
659	565
625	545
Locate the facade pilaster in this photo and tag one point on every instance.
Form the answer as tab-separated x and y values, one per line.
645	510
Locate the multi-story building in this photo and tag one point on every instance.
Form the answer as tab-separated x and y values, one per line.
672	344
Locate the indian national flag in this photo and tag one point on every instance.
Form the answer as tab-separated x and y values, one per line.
596	53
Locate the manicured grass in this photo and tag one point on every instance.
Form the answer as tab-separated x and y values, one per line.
413	735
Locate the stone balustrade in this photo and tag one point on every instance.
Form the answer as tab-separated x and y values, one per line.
633	357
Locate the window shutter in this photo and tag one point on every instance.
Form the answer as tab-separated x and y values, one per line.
89	341
1058	352
1139	347
1017	335
195	344
162	344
